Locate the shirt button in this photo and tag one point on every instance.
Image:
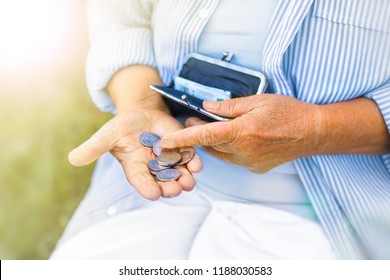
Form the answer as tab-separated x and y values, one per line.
111	211
203	13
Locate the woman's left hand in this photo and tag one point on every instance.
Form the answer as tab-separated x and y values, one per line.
266	131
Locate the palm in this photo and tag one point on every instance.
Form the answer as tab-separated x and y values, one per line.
120	137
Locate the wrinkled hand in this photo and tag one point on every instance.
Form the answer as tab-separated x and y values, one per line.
120	136
267	130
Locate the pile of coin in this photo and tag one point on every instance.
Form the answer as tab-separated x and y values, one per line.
163	165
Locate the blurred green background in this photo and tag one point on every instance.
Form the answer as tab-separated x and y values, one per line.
45	111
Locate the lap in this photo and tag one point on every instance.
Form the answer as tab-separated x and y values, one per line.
110	194
218	230
114	222
156	231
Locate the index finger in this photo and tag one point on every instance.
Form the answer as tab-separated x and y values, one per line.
205	135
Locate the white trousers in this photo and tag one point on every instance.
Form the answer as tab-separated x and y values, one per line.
113	222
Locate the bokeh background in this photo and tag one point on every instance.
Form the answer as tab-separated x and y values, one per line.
45	111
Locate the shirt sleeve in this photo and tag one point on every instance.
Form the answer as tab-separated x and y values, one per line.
381	96
120	35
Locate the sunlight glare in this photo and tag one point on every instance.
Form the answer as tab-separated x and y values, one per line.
31	32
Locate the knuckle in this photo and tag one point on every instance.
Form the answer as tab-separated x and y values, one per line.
236	131
206	135
100	148
227	130
231	105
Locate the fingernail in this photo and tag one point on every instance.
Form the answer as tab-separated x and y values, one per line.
167	144
211	105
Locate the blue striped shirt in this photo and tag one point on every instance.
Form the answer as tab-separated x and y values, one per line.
317	51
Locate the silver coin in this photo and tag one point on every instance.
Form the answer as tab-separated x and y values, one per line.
148	139
186	156
154	166
157	148
153	172
168	158
168	175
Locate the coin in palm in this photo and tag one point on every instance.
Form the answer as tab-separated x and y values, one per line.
168	175
186	156
168	158
148	139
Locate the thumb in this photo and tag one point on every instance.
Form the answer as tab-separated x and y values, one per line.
229	108
101	142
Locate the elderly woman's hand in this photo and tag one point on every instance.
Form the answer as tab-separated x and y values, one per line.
120	136
266	131
139	109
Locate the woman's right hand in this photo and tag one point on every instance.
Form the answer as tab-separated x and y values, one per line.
120	136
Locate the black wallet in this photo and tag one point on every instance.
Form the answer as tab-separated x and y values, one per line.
204	78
